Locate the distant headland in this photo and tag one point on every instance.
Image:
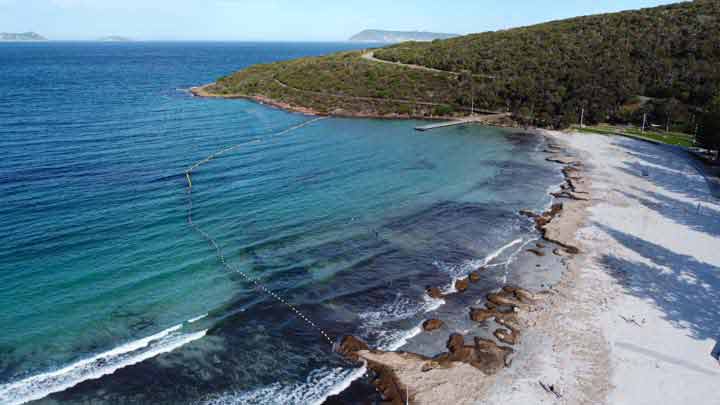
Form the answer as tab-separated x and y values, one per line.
22	36
398	36
115	38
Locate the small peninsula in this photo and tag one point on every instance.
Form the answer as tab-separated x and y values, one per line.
22	36
384	36
609	67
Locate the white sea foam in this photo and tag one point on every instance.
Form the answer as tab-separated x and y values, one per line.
392	341
461	271
401	308
193	320
319	386
42	385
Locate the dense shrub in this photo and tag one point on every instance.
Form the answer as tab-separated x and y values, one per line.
709	135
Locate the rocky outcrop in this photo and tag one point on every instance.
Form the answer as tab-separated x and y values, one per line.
506	336
401	377
504	308
432	324
512	297
521	294
474	276
562	159
350	346
462	285
485	355
571	195
434	292
559	224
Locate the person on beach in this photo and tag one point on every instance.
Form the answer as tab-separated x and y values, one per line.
716	351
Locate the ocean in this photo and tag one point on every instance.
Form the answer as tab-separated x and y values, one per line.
110	295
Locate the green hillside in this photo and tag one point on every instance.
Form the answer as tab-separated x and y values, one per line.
663	61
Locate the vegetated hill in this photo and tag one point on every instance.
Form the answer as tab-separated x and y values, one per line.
23	36
664	61
398	36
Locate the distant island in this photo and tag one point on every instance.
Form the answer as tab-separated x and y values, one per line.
398	36
115	38
22	36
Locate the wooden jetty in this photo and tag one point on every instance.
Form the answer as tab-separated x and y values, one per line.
461	121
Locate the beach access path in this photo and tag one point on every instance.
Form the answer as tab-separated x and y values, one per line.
637	321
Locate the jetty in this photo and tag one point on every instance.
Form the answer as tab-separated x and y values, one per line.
462	121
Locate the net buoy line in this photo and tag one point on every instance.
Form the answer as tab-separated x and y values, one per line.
218	250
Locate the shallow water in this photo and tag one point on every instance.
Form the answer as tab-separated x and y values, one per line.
110	297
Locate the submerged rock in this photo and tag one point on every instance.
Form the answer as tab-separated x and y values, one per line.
474	276
560	252
537	252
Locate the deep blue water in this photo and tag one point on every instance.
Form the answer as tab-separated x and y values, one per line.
108	294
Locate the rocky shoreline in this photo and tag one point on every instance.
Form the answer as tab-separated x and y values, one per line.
468	369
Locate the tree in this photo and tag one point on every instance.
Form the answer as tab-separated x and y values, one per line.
709	134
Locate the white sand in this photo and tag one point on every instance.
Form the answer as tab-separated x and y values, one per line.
637	318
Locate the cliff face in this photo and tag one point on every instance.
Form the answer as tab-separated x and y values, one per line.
398	36
24	36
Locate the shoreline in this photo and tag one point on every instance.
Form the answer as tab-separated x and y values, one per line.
568	342
556	226
467	371
201	92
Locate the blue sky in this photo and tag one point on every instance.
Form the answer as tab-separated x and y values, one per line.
299	20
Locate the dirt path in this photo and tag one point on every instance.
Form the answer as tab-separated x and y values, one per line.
370	55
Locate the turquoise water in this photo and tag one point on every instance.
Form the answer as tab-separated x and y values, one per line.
346	219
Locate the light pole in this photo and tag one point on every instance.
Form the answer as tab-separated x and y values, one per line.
644	122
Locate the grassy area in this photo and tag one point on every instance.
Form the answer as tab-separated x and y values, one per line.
346	83
670	138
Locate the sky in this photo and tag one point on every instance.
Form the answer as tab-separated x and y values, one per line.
284	20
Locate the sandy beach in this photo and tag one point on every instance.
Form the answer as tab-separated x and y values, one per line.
633	319
636	321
